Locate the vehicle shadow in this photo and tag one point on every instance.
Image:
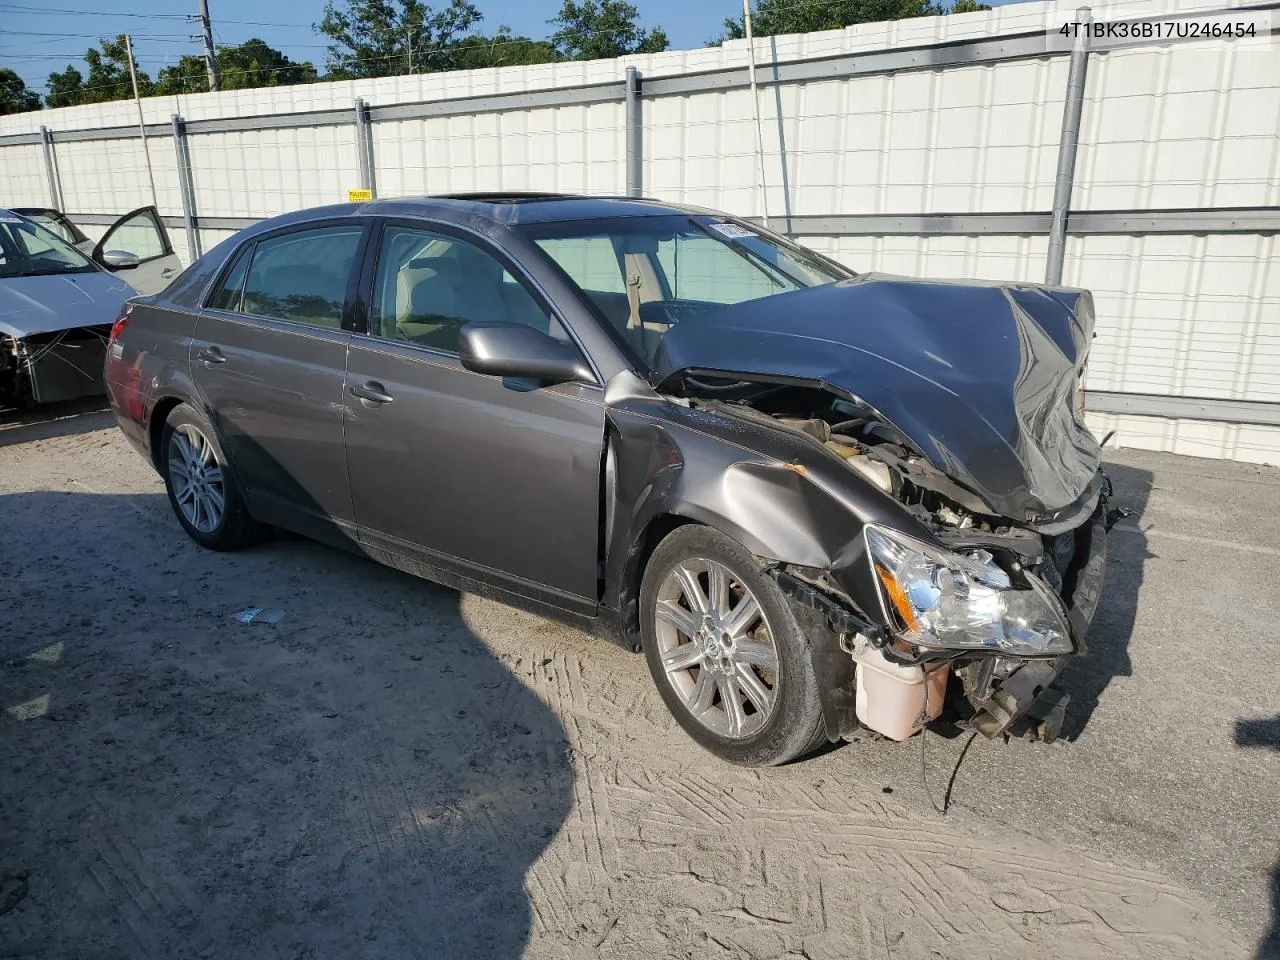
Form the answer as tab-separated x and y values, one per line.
365	777
1085	678
54	420
1265	733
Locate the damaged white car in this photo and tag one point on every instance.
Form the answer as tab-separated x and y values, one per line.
57	304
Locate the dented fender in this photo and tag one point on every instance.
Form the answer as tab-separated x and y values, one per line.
784	498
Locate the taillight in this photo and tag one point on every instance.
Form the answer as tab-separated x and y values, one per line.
117	328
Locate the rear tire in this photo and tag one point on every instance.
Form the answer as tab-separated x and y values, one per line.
201	488
738	641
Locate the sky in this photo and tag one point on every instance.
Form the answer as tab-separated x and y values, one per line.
38	37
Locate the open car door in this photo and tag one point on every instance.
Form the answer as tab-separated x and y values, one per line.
137	246
56	221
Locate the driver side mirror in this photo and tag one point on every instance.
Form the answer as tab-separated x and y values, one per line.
120	259
518	350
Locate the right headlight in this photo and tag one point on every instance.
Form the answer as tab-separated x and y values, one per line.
941	600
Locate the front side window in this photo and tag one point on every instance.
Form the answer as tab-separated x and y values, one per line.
301	276
645	274
29	250
140	235
429	285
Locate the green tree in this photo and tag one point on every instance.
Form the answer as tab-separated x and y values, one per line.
500	50
772	17
14	95
253	63
592	30
65	88
384	38
109	73
108	77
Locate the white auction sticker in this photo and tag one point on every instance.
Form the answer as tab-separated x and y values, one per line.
731	230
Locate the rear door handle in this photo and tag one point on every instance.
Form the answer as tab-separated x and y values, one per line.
371	391
210	356
168	271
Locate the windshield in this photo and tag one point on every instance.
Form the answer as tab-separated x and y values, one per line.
645	274
28	250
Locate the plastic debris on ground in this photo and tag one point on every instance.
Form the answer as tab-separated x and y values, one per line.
259	615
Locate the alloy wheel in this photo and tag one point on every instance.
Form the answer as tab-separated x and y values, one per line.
197	480
717	648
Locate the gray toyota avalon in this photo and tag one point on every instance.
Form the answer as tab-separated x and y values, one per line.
819	501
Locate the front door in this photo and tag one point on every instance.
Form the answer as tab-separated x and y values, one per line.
497	477
142	234
269	357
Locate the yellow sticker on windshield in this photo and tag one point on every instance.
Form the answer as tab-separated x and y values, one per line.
359	196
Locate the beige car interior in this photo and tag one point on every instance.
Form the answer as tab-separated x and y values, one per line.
442	284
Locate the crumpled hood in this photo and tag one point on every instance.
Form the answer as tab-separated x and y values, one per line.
981	377
59	302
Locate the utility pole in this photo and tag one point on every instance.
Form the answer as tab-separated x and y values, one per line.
408	36
755	100
210	58
142	130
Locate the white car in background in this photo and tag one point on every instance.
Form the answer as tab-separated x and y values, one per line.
58	301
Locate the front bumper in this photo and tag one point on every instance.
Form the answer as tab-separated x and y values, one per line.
1020	697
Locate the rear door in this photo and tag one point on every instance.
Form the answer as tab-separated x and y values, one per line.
492	478
268	359
141	233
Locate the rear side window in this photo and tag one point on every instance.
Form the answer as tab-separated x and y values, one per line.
301	276
227	296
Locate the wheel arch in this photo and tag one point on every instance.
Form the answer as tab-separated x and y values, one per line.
155	426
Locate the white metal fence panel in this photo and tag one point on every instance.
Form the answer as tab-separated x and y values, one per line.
24	179
268	172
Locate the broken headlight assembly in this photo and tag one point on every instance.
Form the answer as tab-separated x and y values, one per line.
940	600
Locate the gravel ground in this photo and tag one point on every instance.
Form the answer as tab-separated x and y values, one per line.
398	770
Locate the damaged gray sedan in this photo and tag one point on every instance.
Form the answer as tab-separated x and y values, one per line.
818	501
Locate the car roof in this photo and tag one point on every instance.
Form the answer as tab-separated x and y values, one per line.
506	208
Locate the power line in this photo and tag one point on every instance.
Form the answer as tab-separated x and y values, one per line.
52	11
55	11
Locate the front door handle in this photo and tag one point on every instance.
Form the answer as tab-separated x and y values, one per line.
168	271
372	392
210	356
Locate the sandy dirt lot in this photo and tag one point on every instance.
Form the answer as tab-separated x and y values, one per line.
395	770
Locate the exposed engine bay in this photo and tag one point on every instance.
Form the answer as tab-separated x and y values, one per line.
48	367
901	685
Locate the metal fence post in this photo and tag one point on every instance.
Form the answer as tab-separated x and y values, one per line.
364	147
1067	144
186	186
634	133
51	169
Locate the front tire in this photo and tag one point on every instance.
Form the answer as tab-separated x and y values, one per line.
201	489
726	652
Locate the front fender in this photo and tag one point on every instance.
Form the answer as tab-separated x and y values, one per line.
663	470
781	496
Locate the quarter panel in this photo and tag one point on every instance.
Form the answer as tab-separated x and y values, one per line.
147	363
